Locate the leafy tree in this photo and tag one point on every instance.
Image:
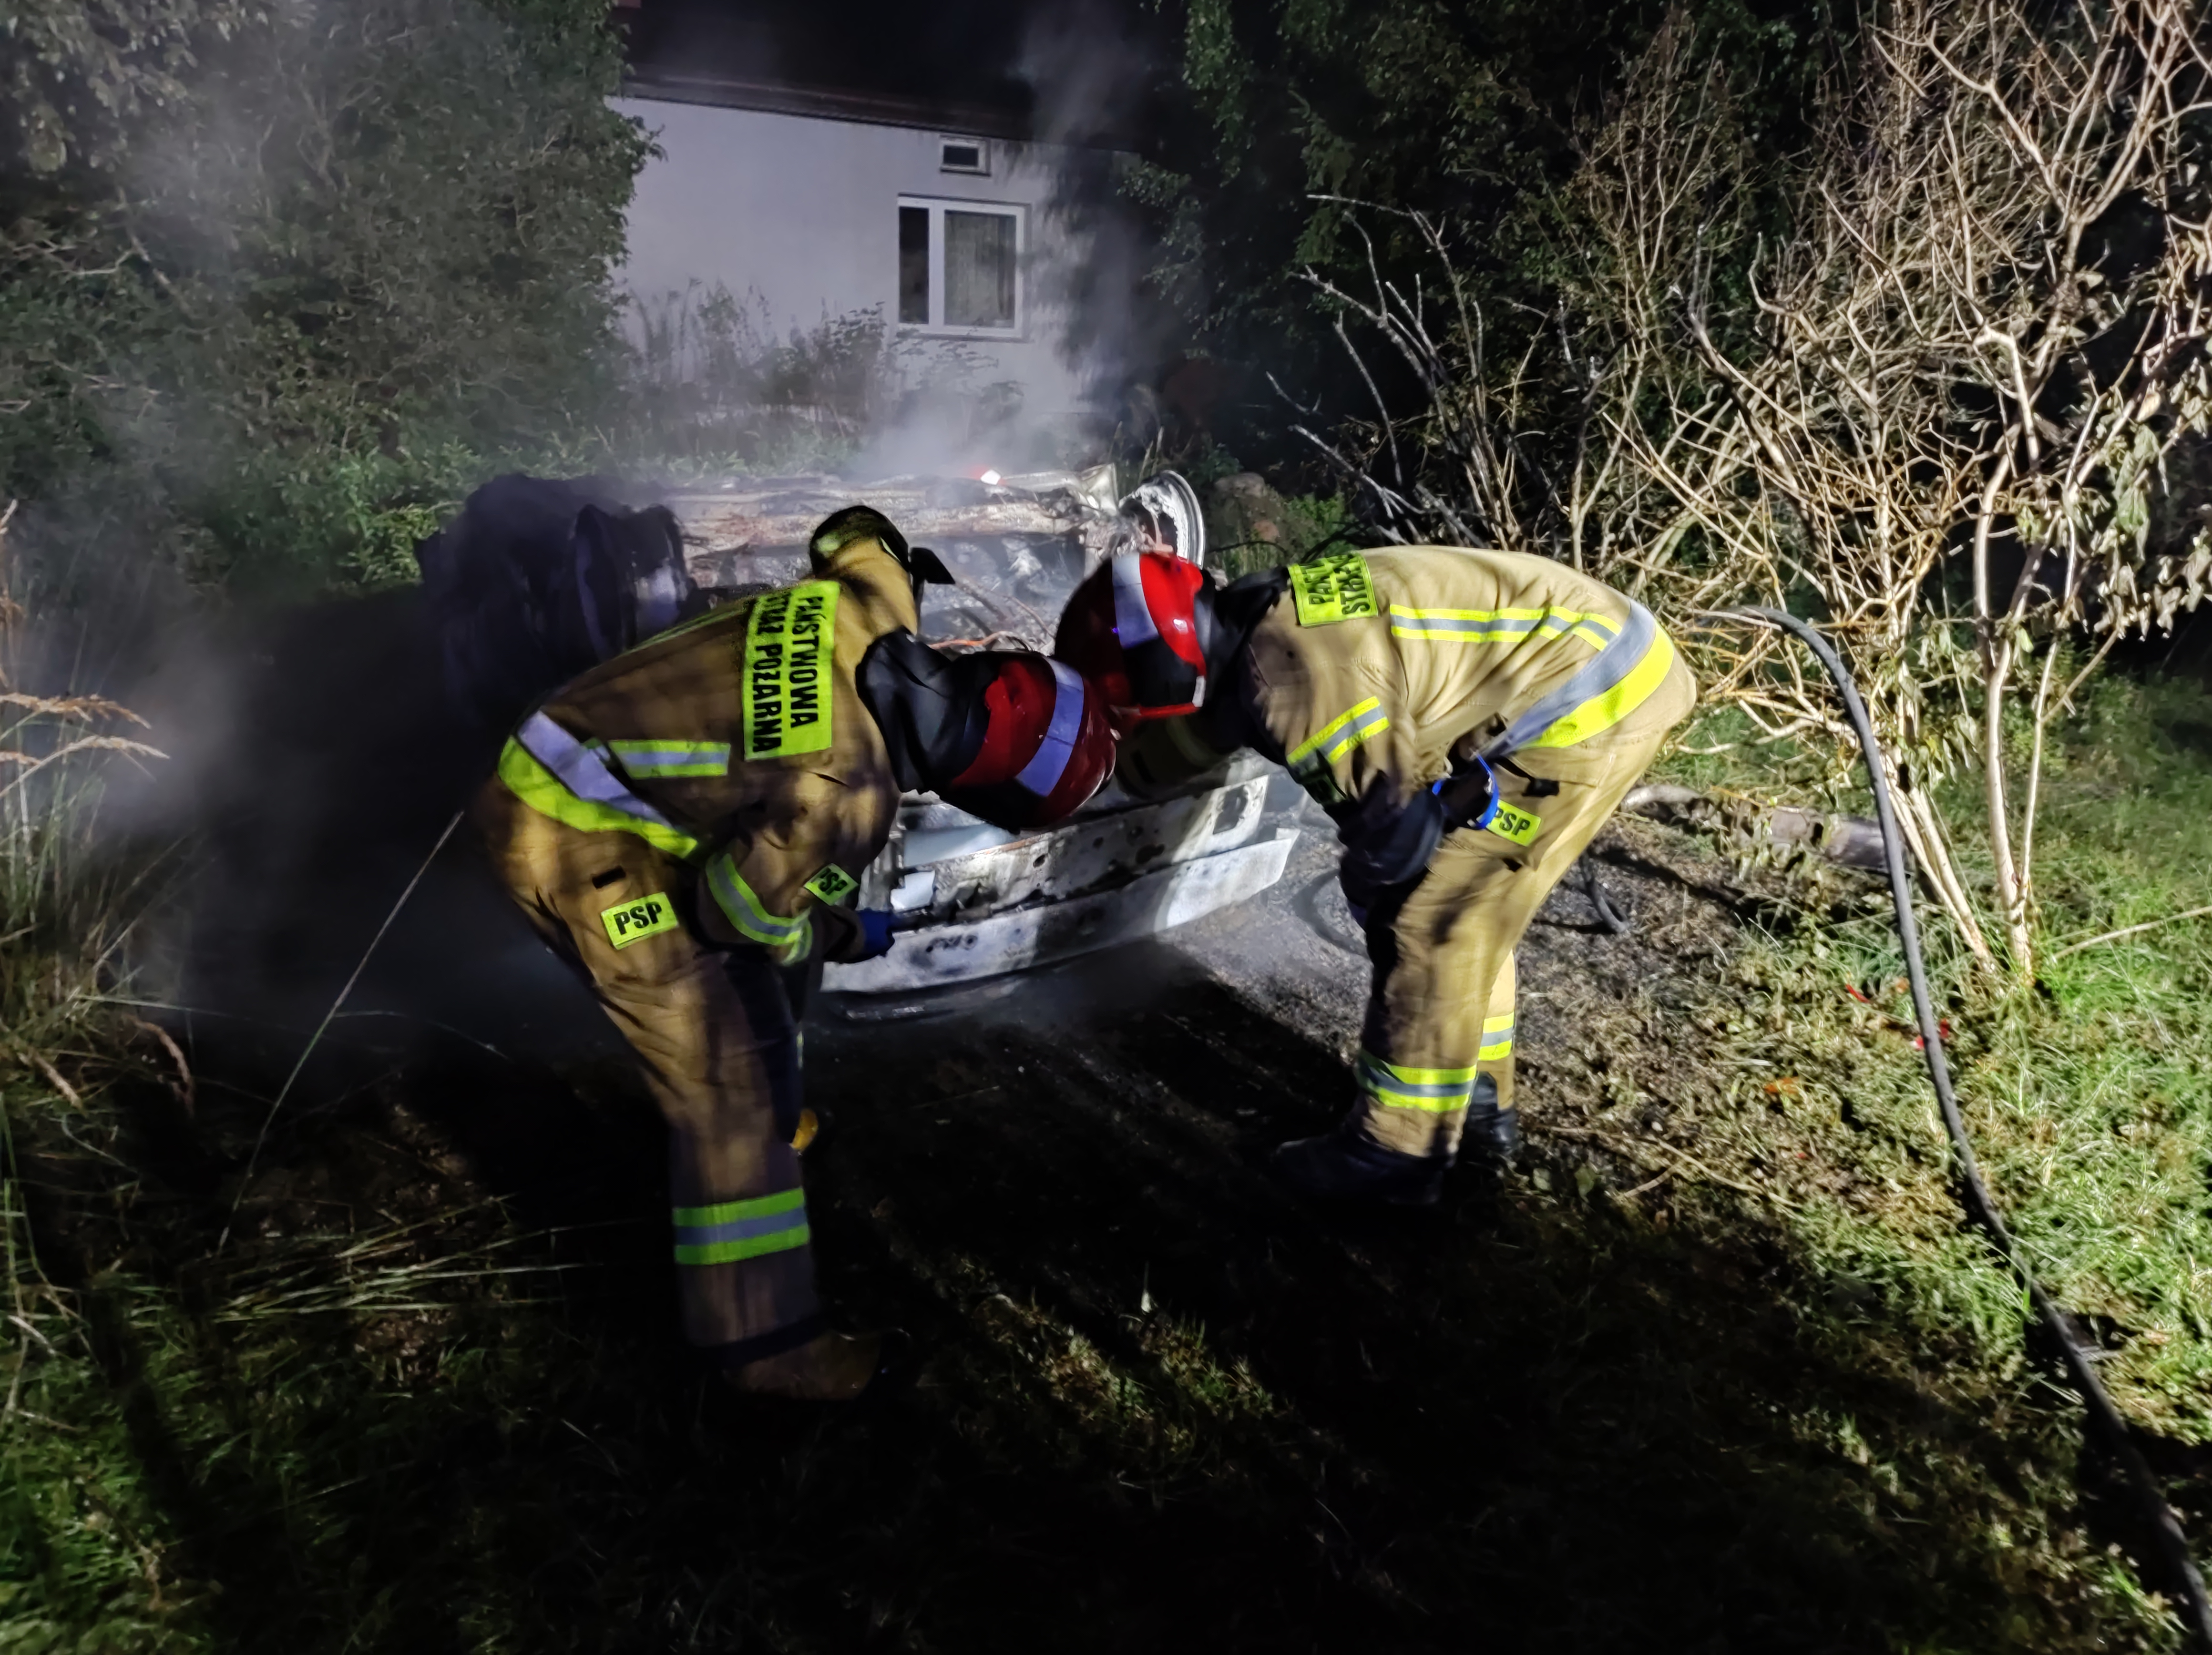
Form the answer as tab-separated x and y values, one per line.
277	280
1474	115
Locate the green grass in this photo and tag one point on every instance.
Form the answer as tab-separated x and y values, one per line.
2090	1097
1740	1380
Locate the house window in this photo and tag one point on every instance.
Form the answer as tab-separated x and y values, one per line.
964	156
960	266
913	264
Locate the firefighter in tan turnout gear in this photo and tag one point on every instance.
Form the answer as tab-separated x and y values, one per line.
689	817
1469	718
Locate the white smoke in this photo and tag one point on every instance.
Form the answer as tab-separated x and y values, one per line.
719	209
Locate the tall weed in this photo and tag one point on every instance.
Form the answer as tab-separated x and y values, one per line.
75	1570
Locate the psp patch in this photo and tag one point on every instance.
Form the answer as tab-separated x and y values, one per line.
1509	822
1327	590
833	885
789	641
638	919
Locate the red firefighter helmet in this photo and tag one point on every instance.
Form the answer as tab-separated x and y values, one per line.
1138	628
1048	747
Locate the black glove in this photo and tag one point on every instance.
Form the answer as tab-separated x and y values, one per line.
1387	844
1468	797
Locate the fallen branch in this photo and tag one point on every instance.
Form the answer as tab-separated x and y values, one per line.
1671	1160
54	1078
188	1090
2129	930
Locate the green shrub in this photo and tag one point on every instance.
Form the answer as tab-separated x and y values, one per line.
292	278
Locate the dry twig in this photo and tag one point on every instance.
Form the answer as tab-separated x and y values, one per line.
1941	419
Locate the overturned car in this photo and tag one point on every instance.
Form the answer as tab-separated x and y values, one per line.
970	900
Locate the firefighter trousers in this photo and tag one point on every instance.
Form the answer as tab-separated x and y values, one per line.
715	1033
1438	1033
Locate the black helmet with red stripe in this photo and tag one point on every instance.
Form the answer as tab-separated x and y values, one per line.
1009	736
1139	626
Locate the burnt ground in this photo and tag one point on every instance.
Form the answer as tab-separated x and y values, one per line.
429	1395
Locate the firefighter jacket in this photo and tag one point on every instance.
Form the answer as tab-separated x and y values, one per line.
1384	663
1372	677
738	744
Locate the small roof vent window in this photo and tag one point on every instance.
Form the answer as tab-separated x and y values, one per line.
964	156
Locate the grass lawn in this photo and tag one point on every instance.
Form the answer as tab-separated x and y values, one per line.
1720	1370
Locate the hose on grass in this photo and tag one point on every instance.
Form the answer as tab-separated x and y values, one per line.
246	1180
1600	900
2173	1544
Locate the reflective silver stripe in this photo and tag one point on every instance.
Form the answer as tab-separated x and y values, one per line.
743	1229
743	907
1461	623
1132	622
1043	773
1371	723
731	1232
1366	716
1498	628
672	758
1610	666
580	770
1378	1077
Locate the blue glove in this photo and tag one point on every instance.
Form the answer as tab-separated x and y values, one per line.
876	939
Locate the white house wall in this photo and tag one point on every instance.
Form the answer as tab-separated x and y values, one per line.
804	210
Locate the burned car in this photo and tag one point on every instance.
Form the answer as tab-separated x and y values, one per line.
972	900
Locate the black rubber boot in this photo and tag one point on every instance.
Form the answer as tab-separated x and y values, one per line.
829	1367
1492	1136
1342	1166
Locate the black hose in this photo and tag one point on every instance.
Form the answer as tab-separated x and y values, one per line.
1308	906
1602	901
2173	1544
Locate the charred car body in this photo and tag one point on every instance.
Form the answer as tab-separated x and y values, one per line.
974	901
527	607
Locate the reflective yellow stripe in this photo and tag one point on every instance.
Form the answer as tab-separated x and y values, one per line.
733	1252
728	1212
1313	742
742	907
645	760
1335	739
1500	626
1497	1038
730	1231
1556	616
541	790
1432	1091
1358	733
1604	712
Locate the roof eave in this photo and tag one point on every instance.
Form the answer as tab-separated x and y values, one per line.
874	109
